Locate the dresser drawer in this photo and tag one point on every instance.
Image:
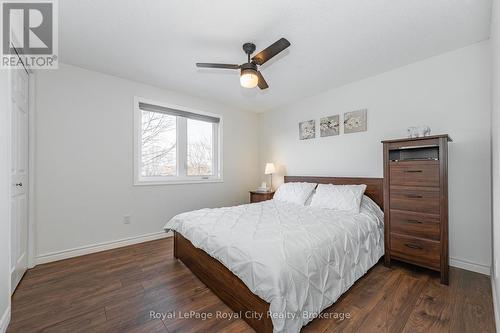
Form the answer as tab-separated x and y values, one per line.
415	199
415	224
416	250
414	173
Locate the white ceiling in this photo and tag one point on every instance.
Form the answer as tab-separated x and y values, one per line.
334	42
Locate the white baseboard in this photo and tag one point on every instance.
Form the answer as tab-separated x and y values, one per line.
4	321
496	307
470	266
88	249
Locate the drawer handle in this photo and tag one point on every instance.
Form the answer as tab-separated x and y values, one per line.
413	246
414	196
414	221
414	170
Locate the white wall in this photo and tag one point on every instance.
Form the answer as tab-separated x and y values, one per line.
450	93
495	126
84	161
4	200
85	149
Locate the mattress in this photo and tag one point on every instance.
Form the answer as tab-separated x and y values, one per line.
299	259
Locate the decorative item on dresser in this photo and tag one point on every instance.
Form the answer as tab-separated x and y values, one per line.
416	202
258	196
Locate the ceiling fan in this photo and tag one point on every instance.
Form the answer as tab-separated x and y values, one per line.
250	76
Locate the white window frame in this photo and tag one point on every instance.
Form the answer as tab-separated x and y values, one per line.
181	149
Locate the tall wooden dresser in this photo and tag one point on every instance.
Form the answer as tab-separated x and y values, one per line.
416	202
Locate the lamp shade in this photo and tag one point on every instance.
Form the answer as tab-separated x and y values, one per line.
270	169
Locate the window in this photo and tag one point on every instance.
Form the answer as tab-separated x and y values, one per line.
158	140
175	145
199	148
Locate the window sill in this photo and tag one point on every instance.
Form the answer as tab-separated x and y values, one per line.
177	182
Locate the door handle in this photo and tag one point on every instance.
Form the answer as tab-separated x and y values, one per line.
414	221
19	184
414	170
414	196
413	246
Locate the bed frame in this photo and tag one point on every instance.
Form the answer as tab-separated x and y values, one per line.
227	286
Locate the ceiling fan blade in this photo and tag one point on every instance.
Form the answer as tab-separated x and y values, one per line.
272	50
262	82
210	65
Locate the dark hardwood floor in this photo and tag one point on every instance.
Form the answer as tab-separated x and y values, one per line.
116	291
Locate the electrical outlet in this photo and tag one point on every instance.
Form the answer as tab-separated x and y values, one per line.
126	219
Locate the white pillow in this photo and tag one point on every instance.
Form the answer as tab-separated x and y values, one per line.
294	192
339	197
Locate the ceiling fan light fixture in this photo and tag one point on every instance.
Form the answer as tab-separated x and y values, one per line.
249	78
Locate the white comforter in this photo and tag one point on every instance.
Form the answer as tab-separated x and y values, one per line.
300	259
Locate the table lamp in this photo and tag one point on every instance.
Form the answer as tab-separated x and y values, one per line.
270	169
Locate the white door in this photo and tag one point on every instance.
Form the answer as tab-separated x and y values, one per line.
19	174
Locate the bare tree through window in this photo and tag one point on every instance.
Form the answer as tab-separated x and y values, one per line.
199	150
158	144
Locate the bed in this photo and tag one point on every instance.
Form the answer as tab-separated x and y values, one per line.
279	264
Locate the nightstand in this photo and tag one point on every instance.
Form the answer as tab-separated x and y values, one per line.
256	196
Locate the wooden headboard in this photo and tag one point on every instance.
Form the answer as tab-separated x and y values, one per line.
374	186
